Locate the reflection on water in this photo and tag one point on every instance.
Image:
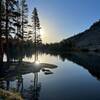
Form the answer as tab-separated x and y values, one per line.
89	61
45	81
12	77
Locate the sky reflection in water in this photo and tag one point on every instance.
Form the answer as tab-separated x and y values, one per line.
69	80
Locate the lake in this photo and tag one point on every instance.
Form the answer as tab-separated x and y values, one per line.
76	77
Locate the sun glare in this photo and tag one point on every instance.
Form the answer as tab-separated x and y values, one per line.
42	32
37	62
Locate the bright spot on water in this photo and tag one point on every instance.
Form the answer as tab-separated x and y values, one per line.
37	62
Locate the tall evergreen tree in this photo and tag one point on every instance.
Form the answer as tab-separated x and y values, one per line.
1	28
17	23
36	30
36	26
24	17
10	19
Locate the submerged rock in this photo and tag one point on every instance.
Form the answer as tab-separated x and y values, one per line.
23	68
48	72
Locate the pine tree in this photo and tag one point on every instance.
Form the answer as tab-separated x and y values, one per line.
24	17
36	30
10	19
1	28
36	26
17	20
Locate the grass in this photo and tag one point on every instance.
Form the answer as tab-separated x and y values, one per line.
6	95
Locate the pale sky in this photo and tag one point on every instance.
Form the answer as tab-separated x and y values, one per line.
61	19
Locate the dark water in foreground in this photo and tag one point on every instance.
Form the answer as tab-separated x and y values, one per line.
76	77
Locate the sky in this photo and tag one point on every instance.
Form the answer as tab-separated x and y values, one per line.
61	19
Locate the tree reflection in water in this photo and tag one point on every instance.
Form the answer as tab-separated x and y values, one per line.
11	77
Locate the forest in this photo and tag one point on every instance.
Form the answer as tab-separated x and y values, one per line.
14	37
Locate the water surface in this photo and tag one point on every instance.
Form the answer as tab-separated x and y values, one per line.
75	78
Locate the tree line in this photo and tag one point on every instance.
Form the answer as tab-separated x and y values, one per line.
14	25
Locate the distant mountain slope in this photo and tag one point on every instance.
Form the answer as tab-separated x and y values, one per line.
89	39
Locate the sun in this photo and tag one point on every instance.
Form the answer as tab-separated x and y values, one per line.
42	32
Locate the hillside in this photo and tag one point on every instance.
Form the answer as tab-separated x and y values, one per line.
89	39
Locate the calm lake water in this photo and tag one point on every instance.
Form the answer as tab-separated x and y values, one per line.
76	77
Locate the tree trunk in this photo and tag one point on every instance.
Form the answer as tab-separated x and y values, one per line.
7	32
1	46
